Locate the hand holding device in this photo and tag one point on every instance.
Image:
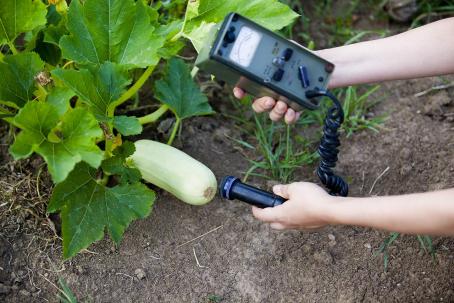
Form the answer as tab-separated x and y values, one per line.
262	63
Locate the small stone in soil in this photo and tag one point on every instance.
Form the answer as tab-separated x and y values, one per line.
24	293
368	246
331	237
140	273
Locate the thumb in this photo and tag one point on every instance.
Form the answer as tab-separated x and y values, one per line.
282	190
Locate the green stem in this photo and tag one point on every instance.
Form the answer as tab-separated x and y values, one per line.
154	116
132	90
12	48
1	56
287	152
136	100
174	131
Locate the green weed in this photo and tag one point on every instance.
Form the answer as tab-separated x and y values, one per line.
214	299
356	105
431	10
66	295
424	241
384	248
278	156
275	150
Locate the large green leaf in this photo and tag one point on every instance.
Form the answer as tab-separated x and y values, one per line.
201	15
19	16
178	90
61	142
17	76
88	208
59	97
99	88
119	31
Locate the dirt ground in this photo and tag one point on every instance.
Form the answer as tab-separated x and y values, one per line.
219	253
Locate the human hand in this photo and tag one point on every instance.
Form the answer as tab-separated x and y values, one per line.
307	207
278	110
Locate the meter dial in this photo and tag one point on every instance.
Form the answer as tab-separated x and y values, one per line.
245	46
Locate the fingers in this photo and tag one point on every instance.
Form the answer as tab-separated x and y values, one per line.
269	214
278	112
281	190
263	104
238	93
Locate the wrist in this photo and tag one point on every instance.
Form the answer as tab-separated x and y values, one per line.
339	211
329	54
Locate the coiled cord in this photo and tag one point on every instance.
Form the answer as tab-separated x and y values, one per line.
328	149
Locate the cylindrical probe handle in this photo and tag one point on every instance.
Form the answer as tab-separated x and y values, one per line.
232	188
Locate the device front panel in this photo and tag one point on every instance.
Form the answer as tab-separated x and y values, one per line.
271	59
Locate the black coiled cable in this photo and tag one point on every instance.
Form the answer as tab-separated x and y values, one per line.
328	149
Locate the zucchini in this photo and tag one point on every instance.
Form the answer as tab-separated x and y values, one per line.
174	171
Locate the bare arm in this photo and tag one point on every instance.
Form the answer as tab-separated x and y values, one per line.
421	52
427	213
309	206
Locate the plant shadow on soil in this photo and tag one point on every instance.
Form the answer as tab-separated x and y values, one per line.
244	260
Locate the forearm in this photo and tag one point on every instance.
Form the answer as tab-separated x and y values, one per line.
422	52
426	213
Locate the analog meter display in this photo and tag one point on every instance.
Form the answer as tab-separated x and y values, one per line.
245	46
245	54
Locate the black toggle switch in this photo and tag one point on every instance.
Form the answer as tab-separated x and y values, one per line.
303	76
288	53
277	76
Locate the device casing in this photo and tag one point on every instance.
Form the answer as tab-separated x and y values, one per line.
258	79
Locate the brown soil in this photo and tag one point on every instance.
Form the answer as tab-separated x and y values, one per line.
244	260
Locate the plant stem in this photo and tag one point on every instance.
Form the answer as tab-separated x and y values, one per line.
67	64
136	100
154	116
12	48
174	131
287	139
132	90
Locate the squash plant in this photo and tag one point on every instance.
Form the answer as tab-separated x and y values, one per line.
66	68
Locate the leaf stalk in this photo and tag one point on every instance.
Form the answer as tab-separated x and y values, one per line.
174	131
154	116
132	90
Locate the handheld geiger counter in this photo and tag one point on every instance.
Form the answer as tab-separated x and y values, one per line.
262	63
